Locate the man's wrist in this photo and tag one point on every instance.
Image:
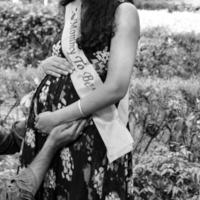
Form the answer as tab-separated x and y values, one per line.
51	144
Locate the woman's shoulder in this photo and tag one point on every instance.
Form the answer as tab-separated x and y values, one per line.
126	8
126	14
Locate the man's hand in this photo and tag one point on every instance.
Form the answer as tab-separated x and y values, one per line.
64	134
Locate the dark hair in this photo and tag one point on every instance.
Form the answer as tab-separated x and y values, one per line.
97	23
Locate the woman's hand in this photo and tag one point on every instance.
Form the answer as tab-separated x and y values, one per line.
55	66
66	133
45	122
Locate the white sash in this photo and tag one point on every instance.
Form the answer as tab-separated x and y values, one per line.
110	122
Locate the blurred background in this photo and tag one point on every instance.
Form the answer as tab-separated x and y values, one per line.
164	93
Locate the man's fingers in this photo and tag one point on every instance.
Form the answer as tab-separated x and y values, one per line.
70	133
72	129
61	128
81	125
78	126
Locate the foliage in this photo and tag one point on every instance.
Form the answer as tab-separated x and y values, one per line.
166	55
15	84
168	111
162	174
27	33
165	122
28	36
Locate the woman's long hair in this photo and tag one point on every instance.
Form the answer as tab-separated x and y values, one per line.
97	23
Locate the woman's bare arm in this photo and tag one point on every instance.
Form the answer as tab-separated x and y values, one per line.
122	58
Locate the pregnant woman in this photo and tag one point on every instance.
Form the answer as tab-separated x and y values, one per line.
99	41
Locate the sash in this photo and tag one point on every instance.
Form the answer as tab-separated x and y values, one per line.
110	122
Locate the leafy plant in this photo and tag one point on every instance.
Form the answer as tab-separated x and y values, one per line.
162	174
167	55
27	36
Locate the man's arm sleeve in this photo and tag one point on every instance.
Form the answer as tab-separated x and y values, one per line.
11	143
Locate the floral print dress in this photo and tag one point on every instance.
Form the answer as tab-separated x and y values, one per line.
79	171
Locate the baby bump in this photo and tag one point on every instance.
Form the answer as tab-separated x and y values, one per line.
52	94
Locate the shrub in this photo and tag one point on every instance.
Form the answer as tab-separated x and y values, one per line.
167	111
165	125
27	33
161	174
165	55
28	36
15	84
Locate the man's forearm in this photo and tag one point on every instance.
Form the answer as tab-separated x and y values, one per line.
41	163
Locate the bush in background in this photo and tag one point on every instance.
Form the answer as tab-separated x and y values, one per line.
167	111
15	93
165	175
165	54
27	33
165	122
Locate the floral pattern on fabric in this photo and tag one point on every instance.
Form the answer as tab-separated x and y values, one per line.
50	180
112	196
56	49
101	60
98	180
68	165
44	92
30	138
